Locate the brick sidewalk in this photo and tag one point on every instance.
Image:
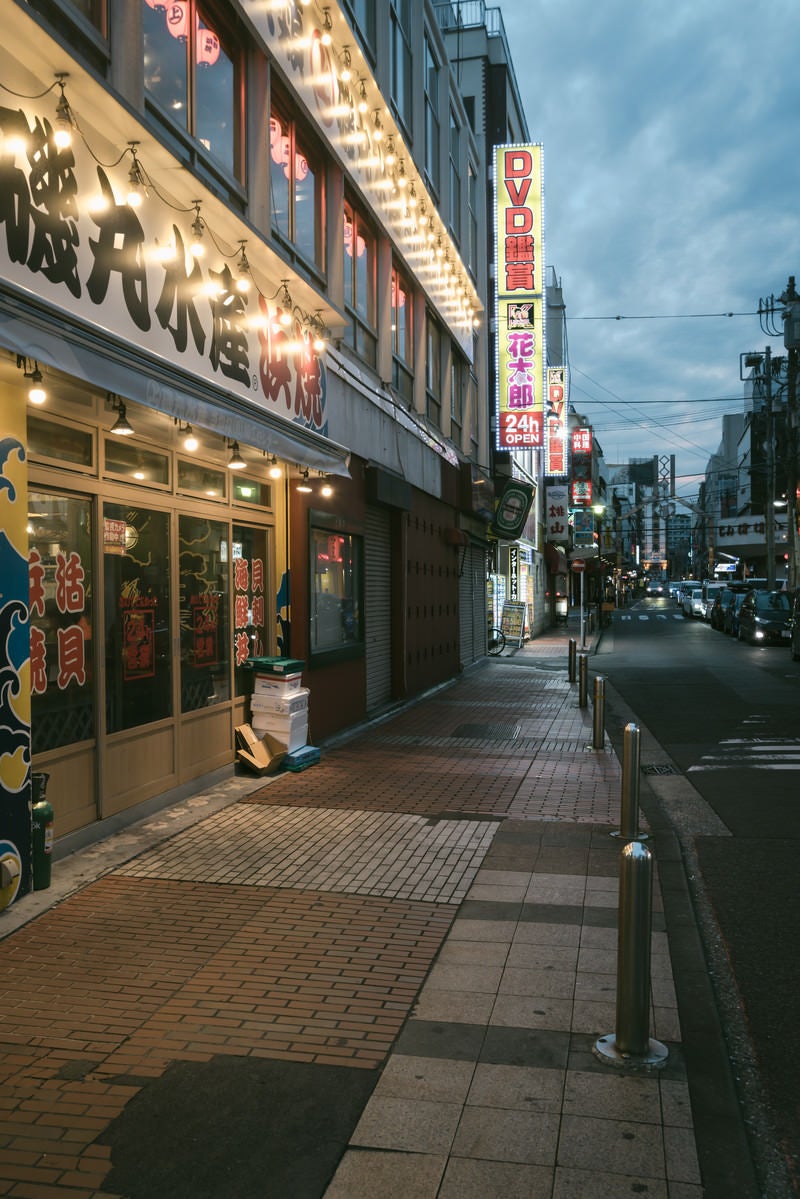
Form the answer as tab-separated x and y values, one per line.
434	901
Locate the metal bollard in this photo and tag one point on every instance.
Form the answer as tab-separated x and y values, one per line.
583	680
631	1044
571	659
599	715
631	766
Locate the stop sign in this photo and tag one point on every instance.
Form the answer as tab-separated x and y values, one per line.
578	564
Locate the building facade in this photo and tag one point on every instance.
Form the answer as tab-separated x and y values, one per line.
243	379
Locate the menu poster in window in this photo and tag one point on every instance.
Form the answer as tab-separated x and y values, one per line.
205	629
114	536
138	641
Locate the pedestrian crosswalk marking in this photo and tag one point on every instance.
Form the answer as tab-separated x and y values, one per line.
763	753
658	616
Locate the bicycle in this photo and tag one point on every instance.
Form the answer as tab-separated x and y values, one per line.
497	642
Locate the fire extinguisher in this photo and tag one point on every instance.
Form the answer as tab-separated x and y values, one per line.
42	832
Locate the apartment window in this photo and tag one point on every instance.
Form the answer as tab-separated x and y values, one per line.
431	117
459	374
400	35
296	185
433	370
402	336
455	176
360	256
192	69
472	220
95	13
363	20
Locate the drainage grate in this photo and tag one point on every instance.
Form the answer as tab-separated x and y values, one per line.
652	768
488	732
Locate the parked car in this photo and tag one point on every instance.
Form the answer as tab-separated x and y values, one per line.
717	614
710	591
684	587
765	617
730	621
693	602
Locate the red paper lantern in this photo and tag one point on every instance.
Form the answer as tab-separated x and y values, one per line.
178	21
207	45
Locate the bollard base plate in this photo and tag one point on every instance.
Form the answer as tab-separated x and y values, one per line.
629	836
605	1048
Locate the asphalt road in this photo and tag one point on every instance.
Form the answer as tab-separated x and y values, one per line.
721	720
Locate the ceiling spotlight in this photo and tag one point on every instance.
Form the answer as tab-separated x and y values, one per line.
327	26
237	462
376	121
196	248
363	104
326	489
275	470
242	270
346	73
304	484
137	189
390	157
285	304
36	391
64	122
122	426
190	442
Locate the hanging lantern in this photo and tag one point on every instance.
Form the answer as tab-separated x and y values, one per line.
207	45
178	21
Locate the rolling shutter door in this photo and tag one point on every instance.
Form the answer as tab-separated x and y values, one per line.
378	605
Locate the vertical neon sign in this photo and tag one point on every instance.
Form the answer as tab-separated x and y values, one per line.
519	250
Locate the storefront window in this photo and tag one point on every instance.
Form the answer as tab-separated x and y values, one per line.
60	596
205	555
251	601
137	620
336	588
63	443
136	463
202	480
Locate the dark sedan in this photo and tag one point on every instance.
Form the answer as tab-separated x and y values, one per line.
765	617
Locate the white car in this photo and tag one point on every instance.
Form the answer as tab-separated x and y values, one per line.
693	603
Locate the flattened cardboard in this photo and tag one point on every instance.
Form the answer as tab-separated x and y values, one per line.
262	754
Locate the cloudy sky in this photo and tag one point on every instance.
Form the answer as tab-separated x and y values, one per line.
672	189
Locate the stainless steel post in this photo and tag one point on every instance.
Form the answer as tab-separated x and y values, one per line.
571	658
629	798
583	680
631	1043
599	714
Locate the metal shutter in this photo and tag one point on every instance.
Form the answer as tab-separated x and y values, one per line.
472	604
378	608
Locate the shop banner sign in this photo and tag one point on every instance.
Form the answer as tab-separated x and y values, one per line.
72	236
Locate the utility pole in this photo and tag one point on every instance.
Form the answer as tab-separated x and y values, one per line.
769	502
791	340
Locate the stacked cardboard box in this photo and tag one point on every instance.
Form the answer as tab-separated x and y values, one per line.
279	706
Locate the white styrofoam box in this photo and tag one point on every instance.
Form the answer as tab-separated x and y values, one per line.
286	705
268	685
291	731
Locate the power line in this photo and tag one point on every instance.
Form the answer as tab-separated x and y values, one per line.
664	316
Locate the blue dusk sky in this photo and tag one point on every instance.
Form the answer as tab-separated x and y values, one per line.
672	194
